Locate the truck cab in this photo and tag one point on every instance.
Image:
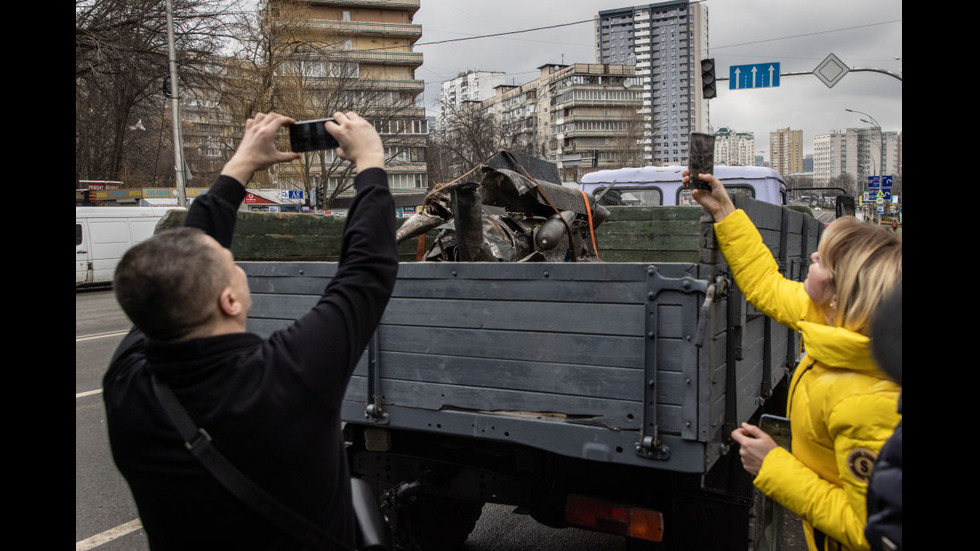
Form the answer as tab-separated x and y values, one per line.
663	185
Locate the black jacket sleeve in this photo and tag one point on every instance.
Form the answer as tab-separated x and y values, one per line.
325	344
216	211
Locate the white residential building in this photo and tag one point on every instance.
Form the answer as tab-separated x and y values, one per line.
858	152
734	148
470	86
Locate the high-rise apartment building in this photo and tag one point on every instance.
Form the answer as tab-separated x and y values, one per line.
856	152
734	148
357	54
665	41
786	151
469	86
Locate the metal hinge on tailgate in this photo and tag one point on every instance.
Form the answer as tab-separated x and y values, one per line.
650	445
375	410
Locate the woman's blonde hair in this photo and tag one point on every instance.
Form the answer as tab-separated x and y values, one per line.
864	262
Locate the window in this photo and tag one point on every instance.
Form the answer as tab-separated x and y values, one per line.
632	197
78	234
344	70
407	181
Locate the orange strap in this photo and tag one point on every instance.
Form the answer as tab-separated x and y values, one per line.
542	193
568	229
420	248
591	227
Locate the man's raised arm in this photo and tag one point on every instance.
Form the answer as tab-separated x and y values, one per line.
215	212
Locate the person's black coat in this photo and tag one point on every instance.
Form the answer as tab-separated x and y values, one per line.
884	528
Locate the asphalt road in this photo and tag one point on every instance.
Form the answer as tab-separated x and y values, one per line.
105	514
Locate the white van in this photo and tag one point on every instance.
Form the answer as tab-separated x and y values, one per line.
663	186
104	234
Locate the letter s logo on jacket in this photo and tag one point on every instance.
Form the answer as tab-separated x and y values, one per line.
860	462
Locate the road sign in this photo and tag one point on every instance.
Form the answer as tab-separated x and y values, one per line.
758	75
831	70
880	187
291	194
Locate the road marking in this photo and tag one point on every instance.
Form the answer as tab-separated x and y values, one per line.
90	337
101	335
108	535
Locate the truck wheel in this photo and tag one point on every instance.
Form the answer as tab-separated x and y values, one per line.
434	523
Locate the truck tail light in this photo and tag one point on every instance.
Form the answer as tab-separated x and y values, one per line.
624	520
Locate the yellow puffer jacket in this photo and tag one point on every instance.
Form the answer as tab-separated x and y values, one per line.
842	408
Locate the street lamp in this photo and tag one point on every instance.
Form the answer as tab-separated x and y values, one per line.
881	141
881	138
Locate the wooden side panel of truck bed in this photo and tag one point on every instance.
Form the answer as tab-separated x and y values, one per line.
589	360
550	355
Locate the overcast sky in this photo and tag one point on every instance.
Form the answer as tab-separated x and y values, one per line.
798	34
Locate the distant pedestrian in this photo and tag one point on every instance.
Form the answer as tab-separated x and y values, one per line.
841	407
894	225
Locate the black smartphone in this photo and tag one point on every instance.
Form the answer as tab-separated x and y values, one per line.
778	428
310	136
700	159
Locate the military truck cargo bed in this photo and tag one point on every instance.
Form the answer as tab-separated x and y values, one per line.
644	362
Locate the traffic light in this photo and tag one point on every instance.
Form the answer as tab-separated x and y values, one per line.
708	83
319	196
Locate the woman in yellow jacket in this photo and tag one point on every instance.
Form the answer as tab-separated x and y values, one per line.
842	408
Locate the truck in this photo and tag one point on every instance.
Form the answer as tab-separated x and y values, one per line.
104	234
662	185
599	394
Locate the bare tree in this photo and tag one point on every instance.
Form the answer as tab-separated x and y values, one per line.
286	63
846	182
121	65
469	136
628	147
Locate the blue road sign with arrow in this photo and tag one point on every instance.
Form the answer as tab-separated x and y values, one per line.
757	75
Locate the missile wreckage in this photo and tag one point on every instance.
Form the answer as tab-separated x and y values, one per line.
518	211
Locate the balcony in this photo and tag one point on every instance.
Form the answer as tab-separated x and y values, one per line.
366	28
376	57
411	6
579	102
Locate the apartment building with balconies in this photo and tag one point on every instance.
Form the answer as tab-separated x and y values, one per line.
665	41
856	152
582	117
468	87
734	148
786	151
358	55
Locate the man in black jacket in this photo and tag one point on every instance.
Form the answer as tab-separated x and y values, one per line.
271	406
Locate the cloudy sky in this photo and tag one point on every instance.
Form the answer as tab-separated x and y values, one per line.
798	34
